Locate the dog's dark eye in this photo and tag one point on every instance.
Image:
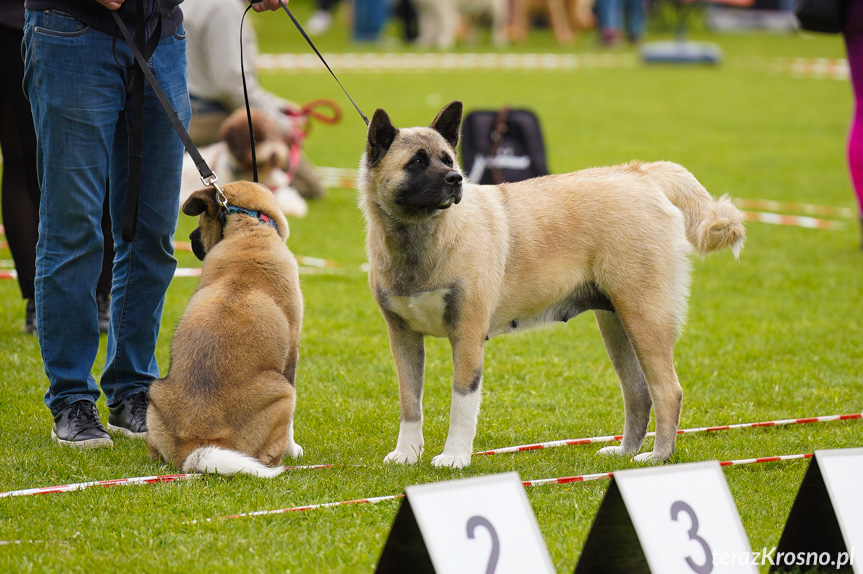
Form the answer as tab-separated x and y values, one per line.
447	160
419	160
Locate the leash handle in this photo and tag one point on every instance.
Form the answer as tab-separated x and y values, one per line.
207	176
312	44
310	110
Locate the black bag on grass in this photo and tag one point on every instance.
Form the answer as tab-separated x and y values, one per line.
502	145
820	15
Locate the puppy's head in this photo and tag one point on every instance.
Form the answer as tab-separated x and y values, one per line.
412	174
271	150
212	227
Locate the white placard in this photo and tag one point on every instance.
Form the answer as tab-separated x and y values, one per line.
482	525
843	475
825	526
682	516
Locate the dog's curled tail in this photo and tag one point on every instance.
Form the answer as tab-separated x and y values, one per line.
711	224
226	461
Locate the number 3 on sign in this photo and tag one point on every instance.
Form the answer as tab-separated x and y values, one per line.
706	568
685	519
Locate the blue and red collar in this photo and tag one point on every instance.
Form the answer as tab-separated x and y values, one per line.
259	215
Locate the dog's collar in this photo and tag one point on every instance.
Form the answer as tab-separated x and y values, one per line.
259	215
393	217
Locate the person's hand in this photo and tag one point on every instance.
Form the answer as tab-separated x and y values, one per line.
266	5
112	4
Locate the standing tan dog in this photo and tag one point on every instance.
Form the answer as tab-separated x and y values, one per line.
227	404
513	256
439	20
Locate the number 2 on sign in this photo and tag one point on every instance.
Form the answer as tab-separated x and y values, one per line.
706	568
472	524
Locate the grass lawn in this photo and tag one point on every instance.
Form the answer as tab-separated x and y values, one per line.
774	335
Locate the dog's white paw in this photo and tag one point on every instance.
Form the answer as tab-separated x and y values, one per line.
611	451
451	461
647	457
397	457
295	451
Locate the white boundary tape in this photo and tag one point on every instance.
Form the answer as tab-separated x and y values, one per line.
345	178
615	438
377	499
791	207
521	448
129	481
816	68
792	220
424	62
526	484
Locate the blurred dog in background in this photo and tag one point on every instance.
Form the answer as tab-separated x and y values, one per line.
440	20
231	159
565	18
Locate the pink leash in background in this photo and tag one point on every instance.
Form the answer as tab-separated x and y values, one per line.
302	127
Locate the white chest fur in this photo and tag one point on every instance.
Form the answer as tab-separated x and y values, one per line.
424	311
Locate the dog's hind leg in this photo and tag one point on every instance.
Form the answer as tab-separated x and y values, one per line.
652	335
636	396
466	392
408	350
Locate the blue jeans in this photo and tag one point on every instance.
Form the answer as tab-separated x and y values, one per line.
78	81
611	14
370	17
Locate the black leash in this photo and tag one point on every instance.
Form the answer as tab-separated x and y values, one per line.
312	44
246	98
207	176
246	91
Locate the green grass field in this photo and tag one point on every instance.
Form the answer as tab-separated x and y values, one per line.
774	335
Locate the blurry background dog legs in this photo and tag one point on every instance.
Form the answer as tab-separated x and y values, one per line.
322	18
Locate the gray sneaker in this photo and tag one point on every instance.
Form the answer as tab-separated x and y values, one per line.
129	416
78	426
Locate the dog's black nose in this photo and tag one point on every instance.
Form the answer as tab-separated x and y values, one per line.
453	178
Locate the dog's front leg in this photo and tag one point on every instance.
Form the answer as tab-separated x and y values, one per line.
466	392
408	350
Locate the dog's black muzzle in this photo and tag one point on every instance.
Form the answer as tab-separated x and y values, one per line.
454	180
432	193
197	244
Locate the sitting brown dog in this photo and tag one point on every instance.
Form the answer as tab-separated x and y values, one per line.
227	404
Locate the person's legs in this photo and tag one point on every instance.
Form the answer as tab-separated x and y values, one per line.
854	48
75	120
20	184
609	18
143	269
634	19
370	16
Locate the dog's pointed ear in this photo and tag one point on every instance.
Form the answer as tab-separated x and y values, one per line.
448	122
201	201
382	132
